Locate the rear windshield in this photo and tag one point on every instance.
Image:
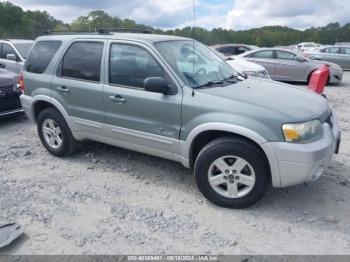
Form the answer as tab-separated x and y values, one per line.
41	56
23	48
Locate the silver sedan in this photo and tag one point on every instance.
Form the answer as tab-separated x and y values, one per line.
336	54
286	65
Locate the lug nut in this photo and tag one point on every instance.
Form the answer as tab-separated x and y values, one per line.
232	181
234	172
237	178
227	171
225	177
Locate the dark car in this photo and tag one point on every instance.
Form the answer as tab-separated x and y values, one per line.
233	49
9	94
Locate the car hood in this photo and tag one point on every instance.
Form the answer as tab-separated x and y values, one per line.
332	65
295	103
242	65
7	78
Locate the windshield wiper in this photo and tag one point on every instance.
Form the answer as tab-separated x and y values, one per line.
210	83
235	77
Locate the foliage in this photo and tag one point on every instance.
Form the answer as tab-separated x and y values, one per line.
15	22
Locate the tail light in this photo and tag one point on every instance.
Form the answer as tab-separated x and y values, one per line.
21	82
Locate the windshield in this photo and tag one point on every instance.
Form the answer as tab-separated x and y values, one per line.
195	63
23	48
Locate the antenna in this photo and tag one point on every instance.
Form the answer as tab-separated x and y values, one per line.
193	32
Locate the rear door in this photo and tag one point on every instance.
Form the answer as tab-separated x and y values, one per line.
10	65
142	120
264	58
345	54
288	68
77	84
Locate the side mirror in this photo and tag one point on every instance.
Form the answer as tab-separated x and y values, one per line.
300	58
11	57
156	85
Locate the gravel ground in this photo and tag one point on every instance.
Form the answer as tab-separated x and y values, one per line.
106	200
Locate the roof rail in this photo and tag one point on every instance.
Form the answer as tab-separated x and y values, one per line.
106	31
65	32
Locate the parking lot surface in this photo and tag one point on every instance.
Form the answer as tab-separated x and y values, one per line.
107	200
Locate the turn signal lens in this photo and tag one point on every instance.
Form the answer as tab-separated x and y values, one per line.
21	82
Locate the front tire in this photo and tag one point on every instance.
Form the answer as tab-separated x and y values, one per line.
55	134
232	172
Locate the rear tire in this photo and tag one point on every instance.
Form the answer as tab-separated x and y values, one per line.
232	172
55	134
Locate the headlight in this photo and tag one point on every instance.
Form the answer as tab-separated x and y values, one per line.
303	132
261	74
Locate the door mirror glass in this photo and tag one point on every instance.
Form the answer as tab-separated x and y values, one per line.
156	85
11	57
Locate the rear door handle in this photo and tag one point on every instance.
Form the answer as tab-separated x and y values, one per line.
118	99
2	66
63	89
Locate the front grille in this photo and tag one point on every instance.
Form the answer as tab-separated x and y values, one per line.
9	99
329	120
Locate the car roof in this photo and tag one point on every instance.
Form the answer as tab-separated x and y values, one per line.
225	45
268	49
149	38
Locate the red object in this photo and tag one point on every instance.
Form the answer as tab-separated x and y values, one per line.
319	79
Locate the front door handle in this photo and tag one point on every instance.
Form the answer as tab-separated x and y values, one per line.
118	99
63	89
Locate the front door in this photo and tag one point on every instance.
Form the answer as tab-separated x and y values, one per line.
288	68
143	121
14	66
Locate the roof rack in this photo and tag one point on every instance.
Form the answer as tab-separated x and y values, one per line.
102	31
106	31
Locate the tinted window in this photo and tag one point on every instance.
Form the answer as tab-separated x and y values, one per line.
285	55
6	50
241	50
130	65
41	55
263	54
82	61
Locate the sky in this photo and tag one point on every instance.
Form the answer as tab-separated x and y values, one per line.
229	14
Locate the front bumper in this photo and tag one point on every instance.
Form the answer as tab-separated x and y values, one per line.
300	163
336	76
27	102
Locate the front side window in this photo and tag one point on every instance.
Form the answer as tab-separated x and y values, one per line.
346	51
83	61
195	63
263	54
285	55
23	48
332	50
41	55
7	50
130	65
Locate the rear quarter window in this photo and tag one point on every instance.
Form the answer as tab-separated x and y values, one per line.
41	56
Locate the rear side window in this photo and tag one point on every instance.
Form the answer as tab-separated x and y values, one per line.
263	54
83	61
41	56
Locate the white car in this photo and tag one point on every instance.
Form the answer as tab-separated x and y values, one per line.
243	66
248	68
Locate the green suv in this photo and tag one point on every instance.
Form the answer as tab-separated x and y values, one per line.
172	97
